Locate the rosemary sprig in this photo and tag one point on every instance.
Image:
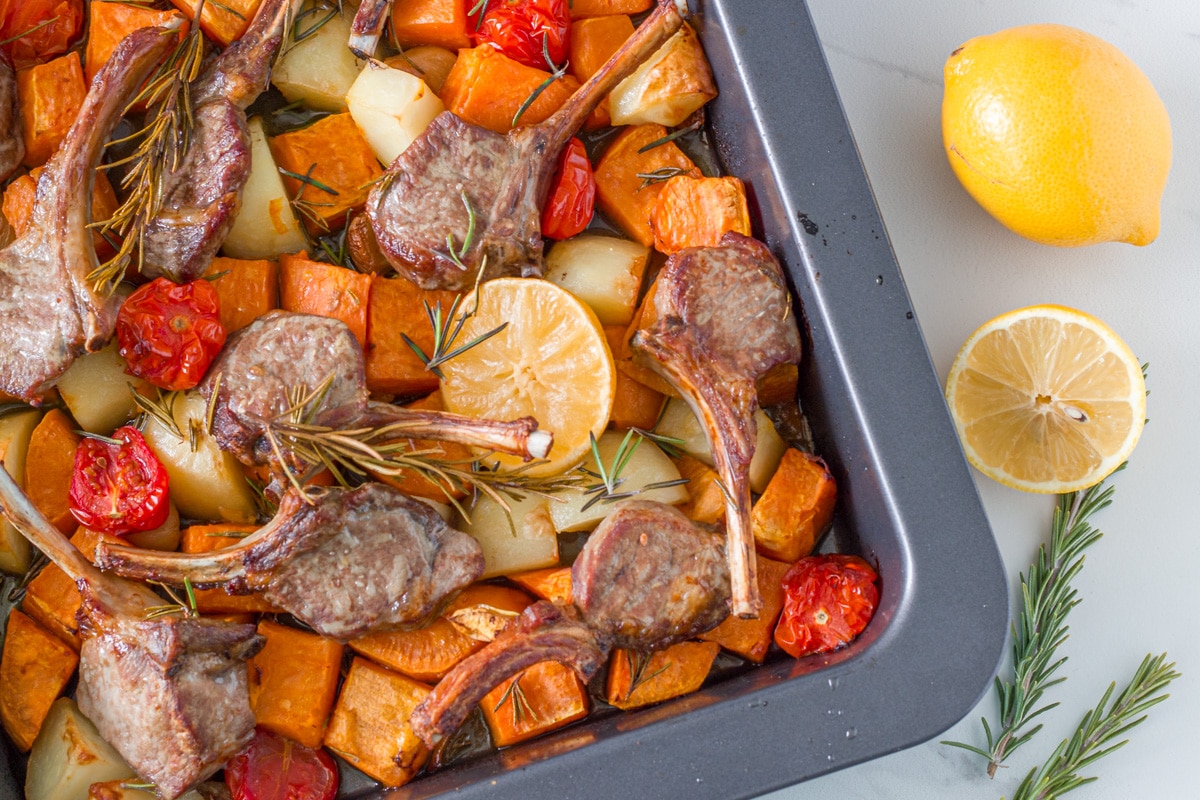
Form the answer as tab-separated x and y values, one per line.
179	605
638	663
1047	597
658	176
1099	726
673	135
520	703
457	254
160	408
162	143
33	29
446	330
609	477
556	74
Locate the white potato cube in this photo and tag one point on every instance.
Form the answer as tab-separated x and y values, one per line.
265	225
679	422
96	390
68	756
647	465
15	430
513	542
668	87
603	271
318	70
391	108
206	482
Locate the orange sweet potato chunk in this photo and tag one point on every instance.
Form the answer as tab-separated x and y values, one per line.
543	698
52	599
50	96
397	309
223	21
327	290
487	88
641	679
49	466
34	670
635	405
598	8
751	638
706	501
293	682
111	22
245	289
205	539
551	583
697	212
21	192
795	508
433	22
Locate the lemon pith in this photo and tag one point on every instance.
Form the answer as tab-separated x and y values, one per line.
1046	399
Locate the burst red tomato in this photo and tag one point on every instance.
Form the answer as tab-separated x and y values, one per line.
36	31
828	600
274	768
524	30
118	488
169	333
572	197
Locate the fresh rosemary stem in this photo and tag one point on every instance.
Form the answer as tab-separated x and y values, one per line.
1099	726
1047	599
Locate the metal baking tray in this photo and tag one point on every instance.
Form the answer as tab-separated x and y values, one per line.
907	501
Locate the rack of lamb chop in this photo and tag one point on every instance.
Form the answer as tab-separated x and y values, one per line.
647	577
458	177
12	143
345	562
50	313
722	318
201	196
264	366
169	692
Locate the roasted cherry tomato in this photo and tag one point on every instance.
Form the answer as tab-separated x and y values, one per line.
35	31
118	488
274	768
828	600
525	30
572	194
169	333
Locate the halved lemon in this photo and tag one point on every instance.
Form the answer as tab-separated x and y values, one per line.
1046	399
551	362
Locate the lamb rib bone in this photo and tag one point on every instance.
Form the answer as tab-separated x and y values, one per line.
201	197
169	693
12	143
256	374
367	27
456	172
646	578
50	313
346	562
723	318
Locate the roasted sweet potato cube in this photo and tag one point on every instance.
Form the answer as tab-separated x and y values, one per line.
245	289
597	8
50	95
49	466
635	405
436	22
327	290
751	638
34	670
627	199
487	88
52	599
224	21
706	501
22	190
369	726
293	681
640	679
552	583
205	539
326	182
795	508
697	212
543	698
397	309
109	23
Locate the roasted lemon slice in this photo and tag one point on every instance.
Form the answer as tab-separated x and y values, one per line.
1046	399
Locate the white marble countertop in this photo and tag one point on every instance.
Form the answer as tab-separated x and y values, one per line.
962	268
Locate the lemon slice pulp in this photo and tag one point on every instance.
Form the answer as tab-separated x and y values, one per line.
1046	399
551	362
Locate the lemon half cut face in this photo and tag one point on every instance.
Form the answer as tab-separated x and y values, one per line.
1046	399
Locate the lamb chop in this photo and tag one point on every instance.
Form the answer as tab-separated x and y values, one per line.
12	143
345	562
367	27
458	177
50	313
723	318
263	365
647	577
201	197
170	693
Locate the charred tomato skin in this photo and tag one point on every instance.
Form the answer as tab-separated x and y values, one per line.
572	199
524	30
169	333
274	768
120	487
827	601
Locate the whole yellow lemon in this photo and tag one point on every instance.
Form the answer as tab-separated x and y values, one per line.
1058	135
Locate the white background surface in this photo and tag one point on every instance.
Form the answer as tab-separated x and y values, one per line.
1139	584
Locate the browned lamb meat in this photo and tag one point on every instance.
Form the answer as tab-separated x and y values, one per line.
265	362
200	199
722	319
420	209
367	27
648	577
170	693
12	143
50	313
346	562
